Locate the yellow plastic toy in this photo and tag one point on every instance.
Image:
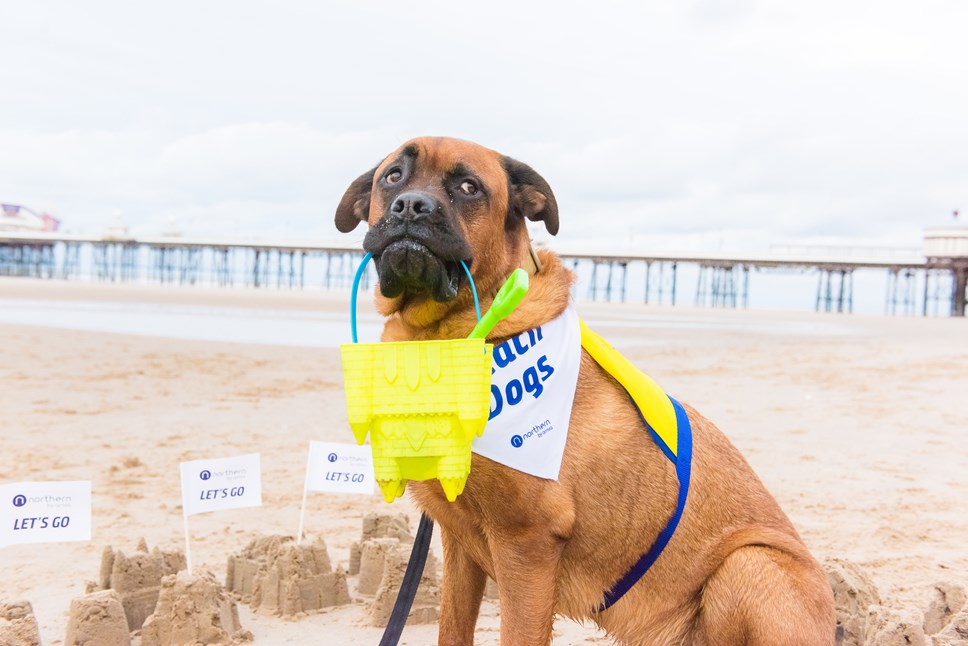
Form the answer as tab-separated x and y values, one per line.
423	402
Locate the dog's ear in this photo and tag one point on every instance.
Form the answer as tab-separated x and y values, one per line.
529	195
355	205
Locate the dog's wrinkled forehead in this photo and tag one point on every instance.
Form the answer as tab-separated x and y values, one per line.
429	162
463	179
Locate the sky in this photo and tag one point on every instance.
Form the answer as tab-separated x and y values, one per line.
694	125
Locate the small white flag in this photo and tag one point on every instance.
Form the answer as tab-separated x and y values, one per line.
340	468
45	512
225	483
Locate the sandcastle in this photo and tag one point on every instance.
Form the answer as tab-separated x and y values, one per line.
150	591
192	610
426	604
380	559
275	574
943	610
854	593
136	578
377	526
863	619
98	619
374	553
491	591
18	625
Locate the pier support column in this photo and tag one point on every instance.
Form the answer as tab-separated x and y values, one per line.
960	276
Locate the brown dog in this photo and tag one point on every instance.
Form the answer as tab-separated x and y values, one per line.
735	572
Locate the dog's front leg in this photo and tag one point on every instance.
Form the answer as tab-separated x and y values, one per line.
462	590
526	566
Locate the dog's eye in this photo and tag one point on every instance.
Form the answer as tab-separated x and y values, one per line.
393	176
468	187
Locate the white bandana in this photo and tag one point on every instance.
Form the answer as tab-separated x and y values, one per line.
532	391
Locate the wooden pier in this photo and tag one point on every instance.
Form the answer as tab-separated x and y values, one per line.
933	283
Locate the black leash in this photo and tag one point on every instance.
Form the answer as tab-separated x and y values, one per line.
411	580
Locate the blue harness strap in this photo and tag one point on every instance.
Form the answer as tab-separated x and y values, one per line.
683	464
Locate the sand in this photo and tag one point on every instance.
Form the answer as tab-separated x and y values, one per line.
855	423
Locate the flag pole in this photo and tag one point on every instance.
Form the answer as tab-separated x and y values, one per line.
188	546
302	508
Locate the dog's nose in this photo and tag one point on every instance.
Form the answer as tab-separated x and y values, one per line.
412	206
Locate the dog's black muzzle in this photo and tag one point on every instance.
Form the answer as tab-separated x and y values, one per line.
417	248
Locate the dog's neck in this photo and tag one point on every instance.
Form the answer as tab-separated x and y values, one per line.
423	318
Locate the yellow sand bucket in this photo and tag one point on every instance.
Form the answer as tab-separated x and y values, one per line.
422	402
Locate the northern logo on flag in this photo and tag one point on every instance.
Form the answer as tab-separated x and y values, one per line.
223	483
340	468
45	512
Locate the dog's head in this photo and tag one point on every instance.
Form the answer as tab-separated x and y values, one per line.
435	202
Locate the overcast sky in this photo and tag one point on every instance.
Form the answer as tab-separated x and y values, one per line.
706	124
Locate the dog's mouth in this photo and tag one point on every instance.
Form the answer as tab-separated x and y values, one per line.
409	266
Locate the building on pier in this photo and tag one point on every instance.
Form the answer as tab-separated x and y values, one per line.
14	217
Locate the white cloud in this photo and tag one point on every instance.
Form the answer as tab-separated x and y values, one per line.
731	122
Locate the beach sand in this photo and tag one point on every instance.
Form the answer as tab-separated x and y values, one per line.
856	424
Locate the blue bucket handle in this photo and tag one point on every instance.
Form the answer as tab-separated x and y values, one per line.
359	276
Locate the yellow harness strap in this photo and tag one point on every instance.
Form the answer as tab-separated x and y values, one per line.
651	400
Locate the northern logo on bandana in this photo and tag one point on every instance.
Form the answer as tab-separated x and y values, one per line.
532	391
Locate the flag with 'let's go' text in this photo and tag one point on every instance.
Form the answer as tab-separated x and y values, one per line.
223	483
45	512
